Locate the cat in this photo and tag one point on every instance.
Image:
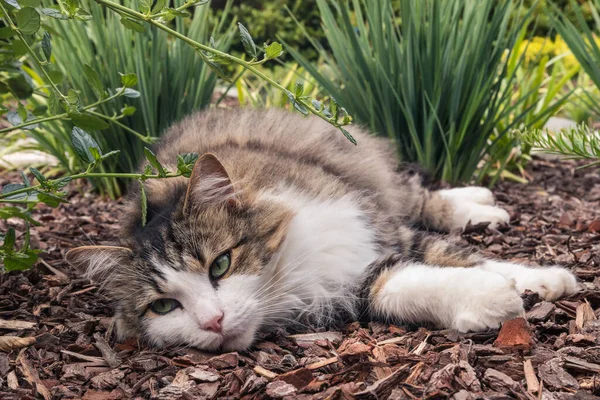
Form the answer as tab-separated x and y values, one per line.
284	221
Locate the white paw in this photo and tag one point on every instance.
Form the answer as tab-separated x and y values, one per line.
475	213
550	283
496	301
472	194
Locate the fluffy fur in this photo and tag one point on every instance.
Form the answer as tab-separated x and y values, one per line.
319	231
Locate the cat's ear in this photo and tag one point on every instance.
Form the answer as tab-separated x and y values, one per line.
97	263
209	184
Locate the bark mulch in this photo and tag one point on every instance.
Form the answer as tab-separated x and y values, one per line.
61	343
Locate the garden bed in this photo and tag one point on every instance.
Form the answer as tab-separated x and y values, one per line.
555	219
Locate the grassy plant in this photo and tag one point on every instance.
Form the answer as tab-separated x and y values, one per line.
437	83
580	142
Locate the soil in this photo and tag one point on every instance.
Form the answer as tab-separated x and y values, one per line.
59	342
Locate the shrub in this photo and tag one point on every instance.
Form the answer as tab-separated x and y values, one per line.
437	83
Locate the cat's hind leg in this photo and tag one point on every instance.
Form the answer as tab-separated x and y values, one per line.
465	299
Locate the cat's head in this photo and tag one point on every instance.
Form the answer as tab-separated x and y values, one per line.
197	275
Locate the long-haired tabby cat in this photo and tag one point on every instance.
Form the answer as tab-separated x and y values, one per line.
284	220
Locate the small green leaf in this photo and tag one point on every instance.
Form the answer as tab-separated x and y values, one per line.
11	187
247	41
14	118
25	179
61	183
299	88
147	170
129	80
13	3
20	261
273	50
47	46
88	122
20	85
82	142
73	98
39	110
54	13
51	199
144	6
9	239
131	93
133	25
144	199
185	163
28	20
93	79
317	105
151	157
95	153
348	135
38	175
16	212
109	154
171	14
298	106
128	110
158	6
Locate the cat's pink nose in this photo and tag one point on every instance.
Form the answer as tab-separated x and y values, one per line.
214	324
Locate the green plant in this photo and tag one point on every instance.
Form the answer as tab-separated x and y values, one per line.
172	79
437	83
20	256
538	92
579	142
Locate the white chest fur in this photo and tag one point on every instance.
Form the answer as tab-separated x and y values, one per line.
328	247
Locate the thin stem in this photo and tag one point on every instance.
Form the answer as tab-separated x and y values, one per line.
199	46
145	139
83	175
31	52
60	116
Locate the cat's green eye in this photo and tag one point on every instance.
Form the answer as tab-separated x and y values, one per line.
220	266
164	306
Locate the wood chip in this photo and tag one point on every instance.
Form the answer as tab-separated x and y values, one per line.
583	314
9	343
98	360
265	372
12	381
107	352
382	387
514	335
580	365
31	376
323	363
14	325
533	385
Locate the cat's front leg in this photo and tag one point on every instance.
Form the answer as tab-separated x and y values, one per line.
465	299
550	283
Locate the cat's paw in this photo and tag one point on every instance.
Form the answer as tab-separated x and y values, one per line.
472	194
473	205
550	283
497	302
